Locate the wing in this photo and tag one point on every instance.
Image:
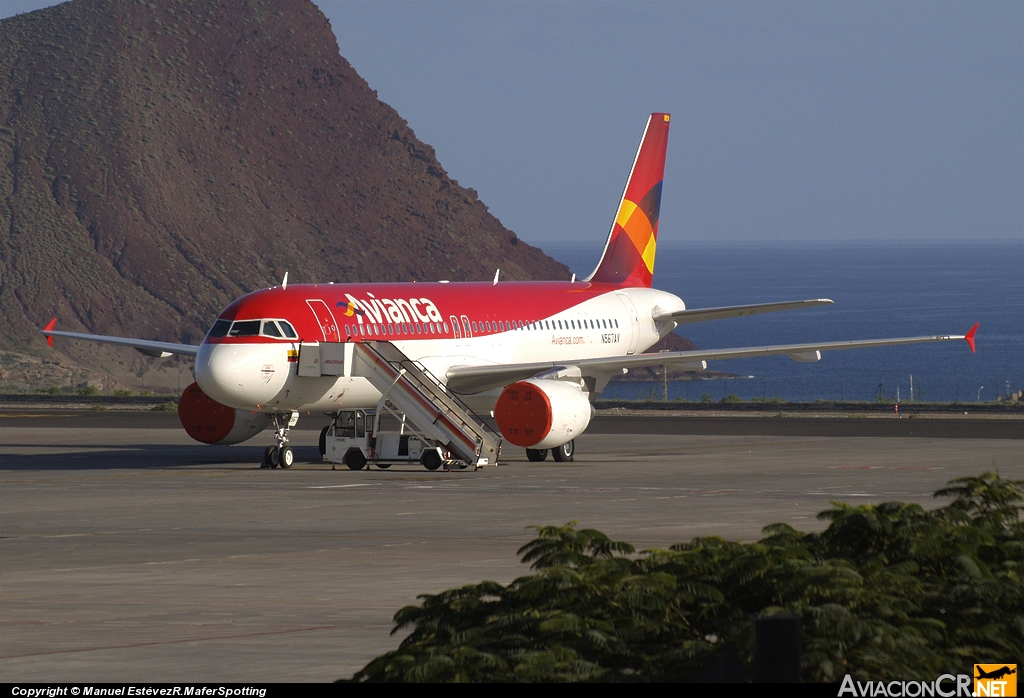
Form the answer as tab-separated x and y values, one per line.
477	379
701	314
159	349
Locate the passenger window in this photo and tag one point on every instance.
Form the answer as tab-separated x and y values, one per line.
360	426
219	329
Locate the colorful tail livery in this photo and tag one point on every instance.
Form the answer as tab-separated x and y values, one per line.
628	258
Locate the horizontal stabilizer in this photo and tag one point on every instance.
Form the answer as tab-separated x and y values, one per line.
683	317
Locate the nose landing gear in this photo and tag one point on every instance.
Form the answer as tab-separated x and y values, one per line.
280	455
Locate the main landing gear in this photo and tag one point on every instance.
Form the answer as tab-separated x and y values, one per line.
281	454
562	454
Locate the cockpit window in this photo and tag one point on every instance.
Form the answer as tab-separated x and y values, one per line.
245	328
219	329
278	329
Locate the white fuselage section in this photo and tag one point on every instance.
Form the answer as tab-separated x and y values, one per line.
259	376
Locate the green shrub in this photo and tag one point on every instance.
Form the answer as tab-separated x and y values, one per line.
886	592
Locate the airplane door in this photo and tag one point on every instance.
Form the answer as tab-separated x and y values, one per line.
457	330
466	330
325	319
631	313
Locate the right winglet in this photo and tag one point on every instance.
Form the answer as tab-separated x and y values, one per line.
49	328
970	336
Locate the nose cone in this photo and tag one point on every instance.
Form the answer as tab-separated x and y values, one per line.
243	376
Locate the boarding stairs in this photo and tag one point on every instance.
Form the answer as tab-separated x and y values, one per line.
414	392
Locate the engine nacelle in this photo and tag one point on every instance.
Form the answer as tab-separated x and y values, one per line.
213	423
542	413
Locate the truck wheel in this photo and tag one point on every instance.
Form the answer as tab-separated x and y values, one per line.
536	454
323	441
565	452
431	460
355	460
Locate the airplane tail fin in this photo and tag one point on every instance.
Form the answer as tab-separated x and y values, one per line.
628	258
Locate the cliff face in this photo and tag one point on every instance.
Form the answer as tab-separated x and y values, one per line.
162	158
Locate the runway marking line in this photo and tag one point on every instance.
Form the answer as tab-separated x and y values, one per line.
172	642
337	487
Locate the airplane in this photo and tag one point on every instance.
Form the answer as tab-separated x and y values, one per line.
534	354
995	673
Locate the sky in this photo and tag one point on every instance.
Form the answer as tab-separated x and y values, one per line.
791	121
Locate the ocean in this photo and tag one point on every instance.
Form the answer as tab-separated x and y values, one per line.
879	289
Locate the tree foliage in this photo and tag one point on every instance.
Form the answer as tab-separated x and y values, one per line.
885	591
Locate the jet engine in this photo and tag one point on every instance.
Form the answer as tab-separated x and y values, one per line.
539	413
213	423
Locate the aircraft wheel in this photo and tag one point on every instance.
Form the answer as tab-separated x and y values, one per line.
565	452
431	460
323	441
286	457
275	457
355	460
536	454
266	457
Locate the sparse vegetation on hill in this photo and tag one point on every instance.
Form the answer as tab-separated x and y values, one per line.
162	158
886	592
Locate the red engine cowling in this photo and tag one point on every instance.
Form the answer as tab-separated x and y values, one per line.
213	423
542	413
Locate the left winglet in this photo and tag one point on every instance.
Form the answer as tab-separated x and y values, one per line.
49	327
970	336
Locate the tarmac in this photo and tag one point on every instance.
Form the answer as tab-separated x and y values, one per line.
129	553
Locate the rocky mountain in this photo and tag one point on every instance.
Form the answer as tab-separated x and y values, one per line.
162	158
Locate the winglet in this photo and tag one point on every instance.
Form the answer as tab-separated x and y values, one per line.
50	326
970	336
